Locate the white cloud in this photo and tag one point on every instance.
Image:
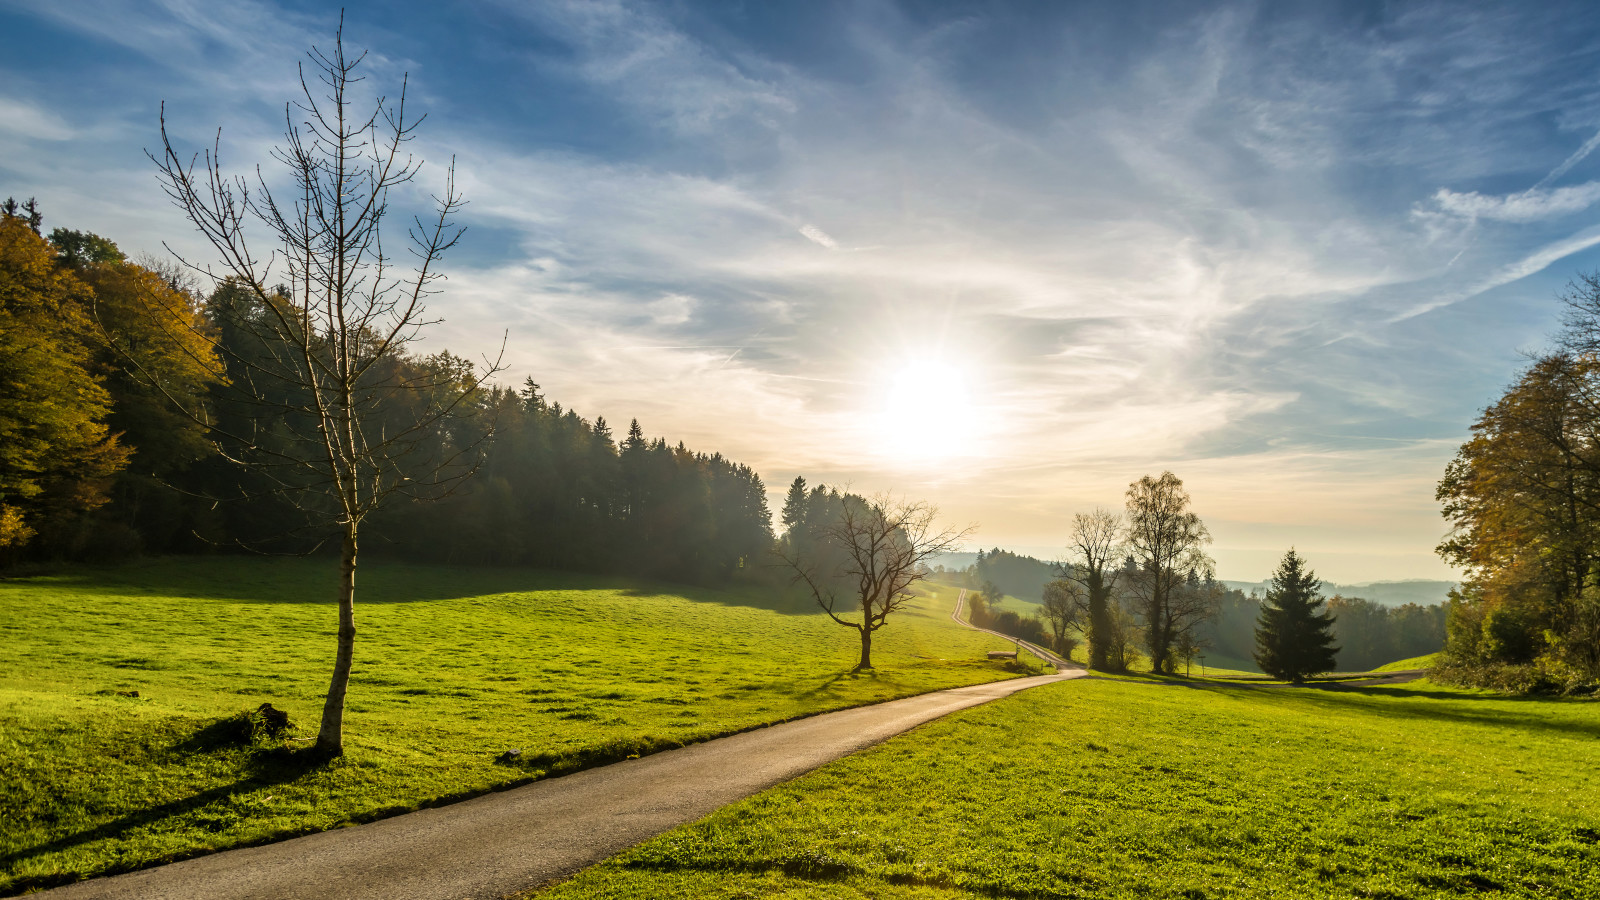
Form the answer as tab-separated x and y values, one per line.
817	235
1531	205
673	309
19	119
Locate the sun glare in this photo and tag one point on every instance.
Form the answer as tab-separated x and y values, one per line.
927	413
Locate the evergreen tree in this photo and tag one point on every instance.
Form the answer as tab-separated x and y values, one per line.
1294	633
794	505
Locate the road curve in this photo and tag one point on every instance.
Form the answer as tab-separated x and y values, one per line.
1049	657
511	841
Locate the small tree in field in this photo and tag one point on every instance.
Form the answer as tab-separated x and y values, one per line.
867	558
1294	634
339	424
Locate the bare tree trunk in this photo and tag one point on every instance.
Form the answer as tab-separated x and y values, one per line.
330	738
866	649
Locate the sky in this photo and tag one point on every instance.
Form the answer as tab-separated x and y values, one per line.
1004	257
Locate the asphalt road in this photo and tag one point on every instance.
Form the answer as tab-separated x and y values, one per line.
514	840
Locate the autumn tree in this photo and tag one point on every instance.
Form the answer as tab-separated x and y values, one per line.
57	452
332	312
1171	574
1523	497
1294	633
151	341
866	558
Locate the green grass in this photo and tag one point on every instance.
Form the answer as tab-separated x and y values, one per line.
1215	667
452	667
1415	662
1101	789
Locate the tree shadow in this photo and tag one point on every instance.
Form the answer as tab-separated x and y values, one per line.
267	767
1464	708
380	580
828	683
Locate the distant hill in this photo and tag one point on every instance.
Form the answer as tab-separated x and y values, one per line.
1021	576
954	560
1389	593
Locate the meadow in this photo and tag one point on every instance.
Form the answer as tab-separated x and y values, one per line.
1105	789
123	693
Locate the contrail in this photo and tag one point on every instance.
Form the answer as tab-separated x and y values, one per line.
1574	159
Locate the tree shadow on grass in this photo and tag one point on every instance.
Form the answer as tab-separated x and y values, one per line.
314	580
828	683
266	768
1463	709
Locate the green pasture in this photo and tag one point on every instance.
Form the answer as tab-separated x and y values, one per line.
452	667
1415	662
1104	789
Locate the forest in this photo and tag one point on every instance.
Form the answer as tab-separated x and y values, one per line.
101	354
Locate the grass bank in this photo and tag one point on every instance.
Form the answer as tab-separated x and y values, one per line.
117	686
1099	789
1416	662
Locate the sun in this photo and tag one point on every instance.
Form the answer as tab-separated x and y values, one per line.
926	413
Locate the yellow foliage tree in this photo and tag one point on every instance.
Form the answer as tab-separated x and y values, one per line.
57	454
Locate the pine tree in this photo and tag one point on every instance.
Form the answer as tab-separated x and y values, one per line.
794	505
1294	633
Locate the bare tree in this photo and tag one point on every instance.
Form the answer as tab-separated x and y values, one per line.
1170	567
868	557
339	422
1095	548
1063	608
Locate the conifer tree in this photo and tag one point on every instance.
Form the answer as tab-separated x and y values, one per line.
794	505
1294	633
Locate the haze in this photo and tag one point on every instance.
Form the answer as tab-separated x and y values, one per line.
1006	257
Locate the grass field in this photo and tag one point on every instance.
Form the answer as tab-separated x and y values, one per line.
1101	789
452	667
1415	662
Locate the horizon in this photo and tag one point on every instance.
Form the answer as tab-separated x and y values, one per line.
1005	258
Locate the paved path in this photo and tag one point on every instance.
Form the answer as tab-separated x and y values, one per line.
1054	660
514	840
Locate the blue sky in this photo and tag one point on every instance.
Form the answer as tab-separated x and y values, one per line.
1005	256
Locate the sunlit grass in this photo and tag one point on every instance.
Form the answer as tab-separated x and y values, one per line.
1100	789
1415	662
453	666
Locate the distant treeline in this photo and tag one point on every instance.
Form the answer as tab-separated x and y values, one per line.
98	353
1369	633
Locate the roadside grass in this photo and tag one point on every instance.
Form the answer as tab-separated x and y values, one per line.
452	667
1415	662
1099	789
1141	666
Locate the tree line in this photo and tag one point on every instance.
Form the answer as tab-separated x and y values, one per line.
99	464
1523	498
1137	585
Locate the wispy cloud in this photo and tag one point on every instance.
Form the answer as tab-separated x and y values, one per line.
1531	205
19	119
817	235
